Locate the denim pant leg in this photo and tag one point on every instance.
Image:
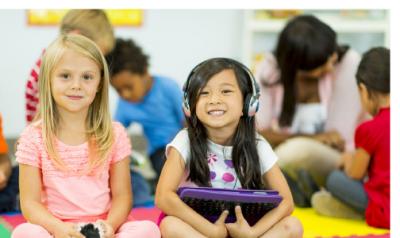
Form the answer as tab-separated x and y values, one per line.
8	196
141	189
157	159
347	190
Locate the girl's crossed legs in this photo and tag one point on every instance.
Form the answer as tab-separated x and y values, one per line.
288	227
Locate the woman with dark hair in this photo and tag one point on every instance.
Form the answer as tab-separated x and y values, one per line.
309	105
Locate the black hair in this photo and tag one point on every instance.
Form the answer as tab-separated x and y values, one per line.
127	55
305	43
244	153
374	70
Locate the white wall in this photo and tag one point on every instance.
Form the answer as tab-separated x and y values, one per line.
176	40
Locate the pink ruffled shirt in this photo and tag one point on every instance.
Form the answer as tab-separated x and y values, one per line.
71	195
338	93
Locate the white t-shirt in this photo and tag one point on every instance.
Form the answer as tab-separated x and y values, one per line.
309	118
219	159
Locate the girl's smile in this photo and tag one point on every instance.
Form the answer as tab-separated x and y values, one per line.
73	97
216	113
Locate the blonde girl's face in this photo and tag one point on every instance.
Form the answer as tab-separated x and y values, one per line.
220	102
74	82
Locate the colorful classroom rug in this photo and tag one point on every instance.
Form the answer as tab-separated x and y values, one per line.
320	226
315	226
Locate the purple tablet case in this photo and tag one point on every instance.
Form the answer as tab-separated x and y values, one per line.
210	202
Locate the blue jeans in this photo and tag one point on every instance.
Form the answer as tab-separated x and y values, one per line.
141	190
347	190
8	196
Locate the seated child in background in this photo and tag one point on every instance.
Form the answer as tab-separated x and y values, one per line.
150	100
8	178
73	160
362	186
221	149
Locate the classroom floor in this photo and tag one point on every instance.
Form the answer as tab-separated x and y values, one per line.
321	226
315	226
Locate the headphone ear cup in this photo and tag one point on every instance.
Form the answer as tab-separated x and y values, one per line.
185	106
252	106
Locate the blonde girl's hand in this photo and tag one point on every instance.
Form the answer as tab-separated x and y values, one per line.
219	230
107	229
240	228
67	230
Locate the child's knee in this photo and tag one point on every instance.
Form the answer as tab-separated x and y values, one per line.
139	229
27	230
152	229
168	226
293	227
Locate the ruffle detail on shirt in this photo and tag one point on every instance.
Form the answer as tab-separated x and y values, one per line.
28	146
31	150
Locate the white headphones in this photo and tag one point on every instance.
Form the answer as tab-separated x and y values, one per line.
251	102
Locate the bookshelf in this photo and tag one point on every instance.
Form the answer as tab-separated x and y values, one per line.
361	29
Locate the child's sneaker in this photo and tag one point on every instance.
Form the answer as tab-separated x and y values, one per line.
327	205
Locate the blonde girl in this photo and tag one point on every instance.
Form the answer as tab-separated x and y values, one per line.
73	159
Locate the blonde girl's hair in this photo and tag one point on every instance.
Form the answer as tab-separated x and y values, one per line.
92	23
98	120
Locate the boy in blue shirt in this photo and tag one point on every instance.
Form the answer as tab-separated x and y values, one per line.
153	101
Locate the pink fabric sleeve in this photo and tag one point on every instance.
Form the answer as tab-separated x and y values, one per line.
122	145
344	109
28	147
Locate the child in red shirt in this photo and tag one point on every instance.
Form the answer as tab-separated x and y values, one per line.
363	184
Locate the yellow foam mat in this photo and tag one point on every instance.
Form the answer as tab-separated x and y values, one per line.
320	226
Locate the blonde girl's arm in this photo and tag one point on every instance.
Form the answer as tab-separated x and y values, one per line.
275	180
169	202
121	193
30	188
356	163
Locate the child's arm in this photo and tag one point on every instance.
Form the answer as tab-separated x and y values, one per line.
30	185
275	180
121	193
169	202
330	138
356	163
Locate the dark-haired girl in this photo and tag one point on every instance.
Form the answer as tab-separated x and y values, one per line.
221	149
